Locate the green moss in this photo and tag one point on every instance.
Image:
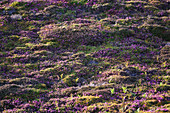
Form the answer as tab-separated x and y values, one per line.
10	46
163	87
14	4
23	25
123	32
157	30
69	13
88	100
41	86
43	52
20	48
30	45
89	49
31	66
78	54
126	32
70	80
14	37
18	5
166	78
41	46
52	44
20	110
129	6
8	28
77	2
31	27
29	94
3	53
16	80
135	2
103	107
112	79
47	70
16	56
150	8
121	21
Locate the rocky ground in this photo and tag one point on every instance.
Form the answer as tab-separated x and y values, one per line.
91	56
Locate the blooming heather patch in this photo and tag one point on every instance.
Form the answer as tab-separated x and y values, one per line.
84	56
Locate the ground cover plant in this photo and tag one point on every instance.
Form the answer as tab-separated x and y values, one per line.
84	56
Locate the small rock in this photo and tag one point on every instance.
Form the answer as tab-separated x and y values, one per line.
92	62
16	17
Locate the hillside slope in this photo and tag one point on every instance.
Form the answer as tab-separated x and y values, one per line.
107	56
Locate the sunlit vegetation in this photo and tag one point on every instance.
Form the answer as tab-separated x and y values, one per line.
84	56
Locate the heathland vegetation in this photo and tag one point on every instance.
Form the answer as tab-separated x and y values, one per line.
84	56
